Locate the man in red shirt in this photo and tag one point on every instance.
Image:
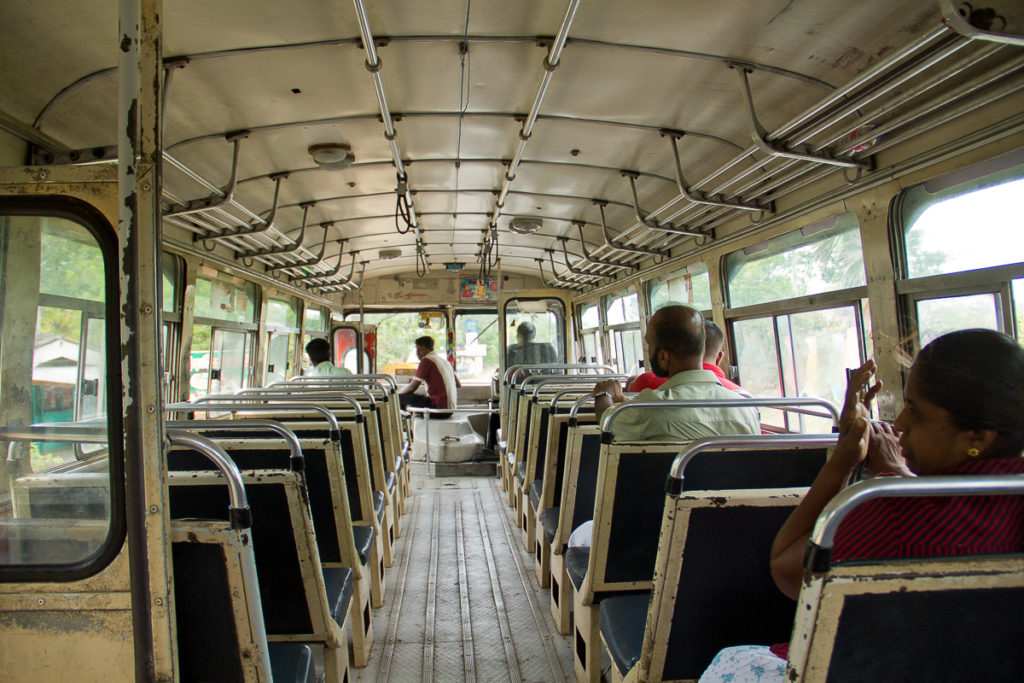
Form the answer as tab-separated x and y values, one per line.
714	343
437	374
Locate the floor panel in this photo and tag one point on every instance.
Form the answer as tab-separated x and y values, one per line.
463	602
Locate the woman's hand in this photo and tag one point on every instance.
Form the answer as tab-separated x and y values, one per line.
884	451
859	395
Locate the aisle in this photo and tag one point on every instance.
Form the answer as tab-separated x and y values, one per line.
455	612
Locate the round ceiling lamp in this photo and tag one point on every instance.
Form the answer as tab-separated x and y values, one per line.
524	225
332	156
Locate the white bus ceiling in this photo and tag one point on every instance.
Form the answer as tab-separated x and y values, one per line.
460	81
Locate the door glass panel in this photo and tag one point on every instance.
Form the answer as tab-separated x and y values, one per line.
277	357
228	362
476	345
936	317
54	511
545	318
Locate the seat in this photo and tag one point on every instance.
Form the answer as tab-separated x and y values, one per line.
292	662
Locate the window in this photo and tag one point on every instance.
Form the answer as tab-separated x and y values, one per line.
282	334
223	335
622	313
803	346
960	246
535	331
60	514
690	286
822	257
172	274
590	334
476	345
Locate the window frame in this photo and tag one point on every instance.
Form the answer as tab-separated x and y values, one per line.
93	220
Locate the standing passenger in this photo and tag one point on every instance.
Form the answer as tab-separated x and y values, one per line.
439	377
319	353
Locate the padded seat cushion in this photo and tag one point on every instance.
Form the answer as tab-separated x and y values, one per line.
521	471
364	541
535	489
623	620
378	504
549	522
389	479
576	562
338	581
399	463
511	457
292	662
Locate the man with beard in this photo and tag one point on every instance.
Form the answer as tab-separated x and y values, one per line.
675	339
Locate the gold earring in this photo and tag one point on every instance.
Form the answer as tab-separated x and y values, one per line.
972	452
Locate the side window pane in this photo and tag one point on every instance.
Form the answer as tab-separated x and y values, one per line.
199	362
809	261
314	320
282	313
623	309
934	229
824	344
758	362
277	357
229	361
225	299
690	286
936	317
476	345
590	317
55	496
171	275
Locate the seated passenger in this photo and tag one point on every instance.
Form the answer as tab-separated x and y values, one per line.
437	374
714	340
527	351
963	414
714	343
675	340
319	353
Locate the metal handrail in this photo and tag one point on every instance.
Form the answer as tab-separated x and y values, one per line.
761	441
796	405
543	380
280	400
314	392
239	513
574	411
296	459
849	498
345	378
507	379
565	392
209	407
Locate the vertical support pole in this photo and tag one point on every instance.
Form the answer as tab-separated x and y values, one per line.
139	182
873	216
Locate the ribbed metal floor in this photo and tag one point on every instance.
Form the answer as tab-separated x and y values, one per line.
463	601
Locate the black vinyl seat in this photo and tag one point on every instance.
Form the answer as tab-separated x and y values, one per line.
378	505
535	489
364	537
577	561
625	641
338	582
521	470
292	662
549	521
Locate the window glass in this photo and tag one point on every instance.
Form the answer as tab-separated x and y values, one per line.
629	351
279	351
226	299
54	512
591	349
936	317
690	286
979	228
590	317
535	332
282	313
818	258
476	345
229	361
170	266
623	309
199	362
315	320
1018	306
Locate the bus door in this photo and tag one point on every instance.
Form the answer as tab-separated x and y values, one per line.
71	347
534	327
354	347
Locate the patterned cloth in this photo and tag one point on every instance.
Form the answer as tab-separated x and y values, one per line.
745	664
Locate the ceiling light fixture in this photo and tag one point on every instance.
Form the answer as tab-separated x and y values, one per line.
332	156
524	225
388	254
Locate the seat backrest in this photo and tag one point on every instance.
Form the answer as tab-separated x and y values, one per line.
628	504
553	471
292	590
581	455
713	586
218	614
